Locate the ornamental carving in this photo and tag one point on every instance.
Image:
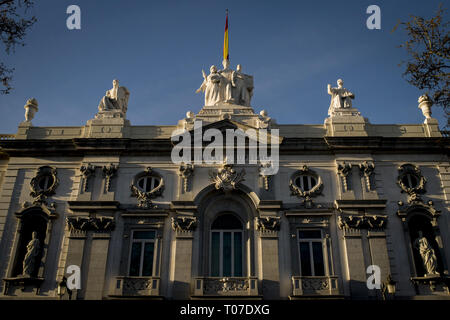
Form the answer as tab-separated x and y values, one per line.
223	285
91	224
268	223
186	172
315	284
44	184
109	172
227	178
344	169
143	196
306	193
264	169
367	169
362	222
184	224
411	181
87	171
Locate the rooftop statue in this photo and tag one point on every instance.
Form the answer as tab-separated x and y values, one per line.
211	86
226	86
340	97
115	99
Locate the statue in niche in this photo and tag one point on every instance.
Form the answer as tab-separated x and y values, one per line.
211	86
115	99
29	261
427	254
340	97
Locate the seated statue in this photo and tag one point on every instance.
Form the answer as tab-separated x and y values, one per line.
115	99
340	97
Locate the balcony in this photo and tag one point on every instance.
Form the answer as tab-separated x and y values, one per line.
317	287
135	287
219	287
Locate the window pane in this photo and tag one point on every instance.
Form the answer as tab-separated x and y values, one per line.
226	254
305	183
238	254
148	185
144	235
310	234
319	269
135	259
215	254
305	259
226	221
147	268
141	183
297	183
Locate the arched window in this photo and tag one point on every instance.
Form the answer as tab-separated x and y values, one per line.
226	246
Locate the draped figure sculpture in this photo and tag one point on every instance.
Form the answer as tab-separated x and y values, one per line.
340	97
211	86
227	86
29	261
427	254
115	99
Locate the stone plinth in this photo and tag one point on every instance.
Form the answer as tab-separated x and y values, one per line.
346	122
107	128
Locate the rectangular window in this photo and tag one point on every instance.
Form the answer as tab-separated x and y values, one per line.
142	253
311	246
226	253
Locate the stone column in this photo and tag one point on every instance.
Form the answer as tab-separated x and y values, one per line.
268	228
184	227
76	245
354	254
97	266
378	251
88	248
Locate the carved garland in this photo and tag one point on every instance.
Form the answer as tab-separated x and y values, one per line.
144	198
185	172
37	192
109	172
366	170
306	195
87	171
344	169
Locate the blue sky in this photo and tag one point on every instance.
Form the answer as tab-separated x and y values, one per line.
157	49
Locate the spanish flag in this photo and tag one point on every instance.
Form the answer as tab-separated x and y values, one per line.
226	55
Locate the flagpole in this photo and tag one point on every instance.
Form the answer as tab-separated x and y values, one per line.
226	55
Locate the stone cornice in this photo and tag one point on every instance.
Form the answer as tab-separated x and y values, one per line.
325	145
93	205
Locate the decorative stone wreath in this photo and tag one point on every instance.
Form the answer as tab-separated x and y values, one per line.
41	194
414	171
144	198
313	192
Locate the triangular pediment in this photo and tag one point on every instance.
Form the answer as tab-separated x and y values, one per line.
238	128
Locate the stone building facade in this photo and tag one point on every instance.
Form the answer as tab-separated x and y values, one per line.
108	198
